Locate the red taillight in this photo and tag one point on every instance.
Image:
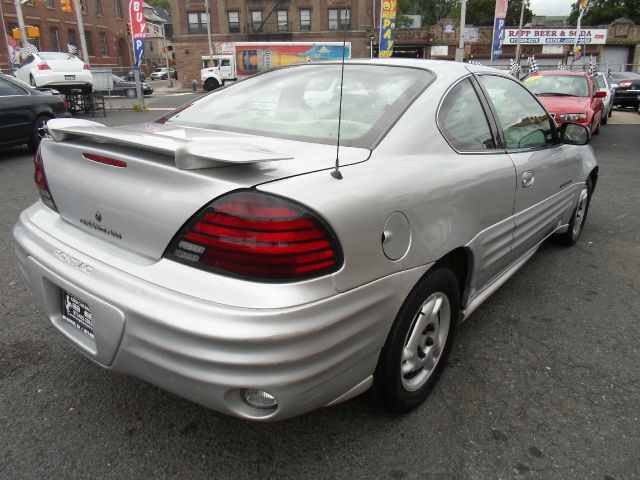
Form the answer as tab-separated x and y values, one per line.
106	160
86	67
624	84
41	181
43	66
259	236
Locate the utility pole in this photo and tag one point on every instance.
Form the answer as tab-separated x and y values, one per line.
6	41
83	41
463	21
23	28
206	3
520	31
166	55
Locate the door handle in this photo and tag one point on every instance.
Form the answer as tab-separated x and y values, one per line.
527	179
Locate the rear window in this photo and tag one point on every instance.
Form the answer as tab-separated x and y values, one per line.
57	56
301	103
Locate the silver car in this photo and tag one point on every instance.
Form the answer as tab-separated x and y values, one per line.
282	245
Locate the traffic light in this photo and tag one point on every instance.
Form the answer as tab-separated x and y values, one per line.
128	29
67	6
16	34
33	32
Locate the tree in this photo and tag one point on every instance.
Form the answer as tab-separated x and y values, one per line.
602	12
432	11
479	12
160	3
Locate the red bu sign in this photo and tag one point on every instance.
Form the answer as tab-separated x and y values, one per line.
138	22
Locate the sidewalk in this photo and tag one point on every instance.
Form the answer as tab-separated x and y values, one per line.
177	87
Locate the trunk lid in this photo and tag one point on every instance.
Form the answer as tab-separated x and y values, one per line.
142	205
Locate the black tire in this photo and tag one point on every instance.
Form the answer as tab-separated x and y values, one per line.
579	214
610	112
210	84
604	119
390	384
597	130
32	81
38	123
165	77
130	92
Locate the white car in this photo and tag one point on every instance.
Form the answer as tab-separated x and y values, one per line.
161	74
58	70
601	82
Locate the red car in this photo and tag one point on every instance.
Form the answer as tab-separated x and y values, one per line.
569	97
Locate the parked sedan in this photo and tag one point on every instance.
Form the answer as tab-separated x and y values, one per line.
163	73
264	256
601	83
569	97
120	86
627	89
131	76
24	110
58	70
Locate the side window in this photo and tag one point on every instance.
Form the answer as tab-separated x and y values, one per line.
524	122
225	62
27	61
7	88
462	120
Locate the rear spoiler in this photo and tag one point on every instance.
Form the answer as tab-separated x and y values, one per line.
188	155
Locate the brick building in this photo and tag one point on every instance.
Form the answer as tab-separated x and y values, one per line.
105	25
266	21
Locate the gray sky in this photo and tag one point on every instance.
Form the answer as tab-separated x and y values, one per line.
551	7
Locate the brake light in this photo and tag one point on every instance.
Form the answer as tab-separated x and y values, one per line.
625	84
106	160
43	66
41	181
258	236
86	67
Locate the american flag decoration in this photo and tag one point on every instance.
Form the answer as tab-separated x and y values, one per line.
533	64
593	67
72	49
514	67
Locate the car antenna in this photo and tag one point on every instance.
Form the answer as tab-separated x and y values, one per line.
336	172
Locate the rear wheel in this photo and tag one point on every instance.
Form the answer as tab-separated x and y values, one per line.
419	342
131	92
597	130
36	137
604	119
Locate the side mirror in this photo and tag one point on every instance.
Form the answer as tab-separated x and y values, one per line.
574	134
600	94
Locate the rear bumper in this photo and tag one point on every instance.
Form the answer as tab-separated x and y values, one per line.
307	356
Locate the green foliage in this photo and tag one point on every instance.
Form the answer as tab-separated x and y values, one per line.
431	10
479	12
602	12
160	3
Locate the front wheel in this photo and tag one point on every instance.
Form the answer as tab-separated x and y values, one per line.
210	84
578	217
131	92
419	342
36	136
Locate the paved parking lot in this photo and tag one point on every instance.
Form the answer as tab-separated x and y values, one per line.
543	382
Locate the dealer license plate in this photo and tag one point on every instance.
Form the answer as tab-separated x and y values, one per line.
69	77
77	313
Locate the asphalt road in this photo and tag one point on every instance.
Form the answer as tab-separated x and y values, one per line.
543	382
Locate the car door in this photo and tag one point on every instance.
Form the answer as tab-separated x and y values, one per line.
466	123
15	113
546	170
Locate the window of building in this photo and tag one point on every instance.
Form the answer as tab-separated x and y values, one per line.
339	18
256	21
99	8
88	37
102	37
50	4
83	7
197	22
118	8
234	21
55	39
305	20
283	20
71	37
